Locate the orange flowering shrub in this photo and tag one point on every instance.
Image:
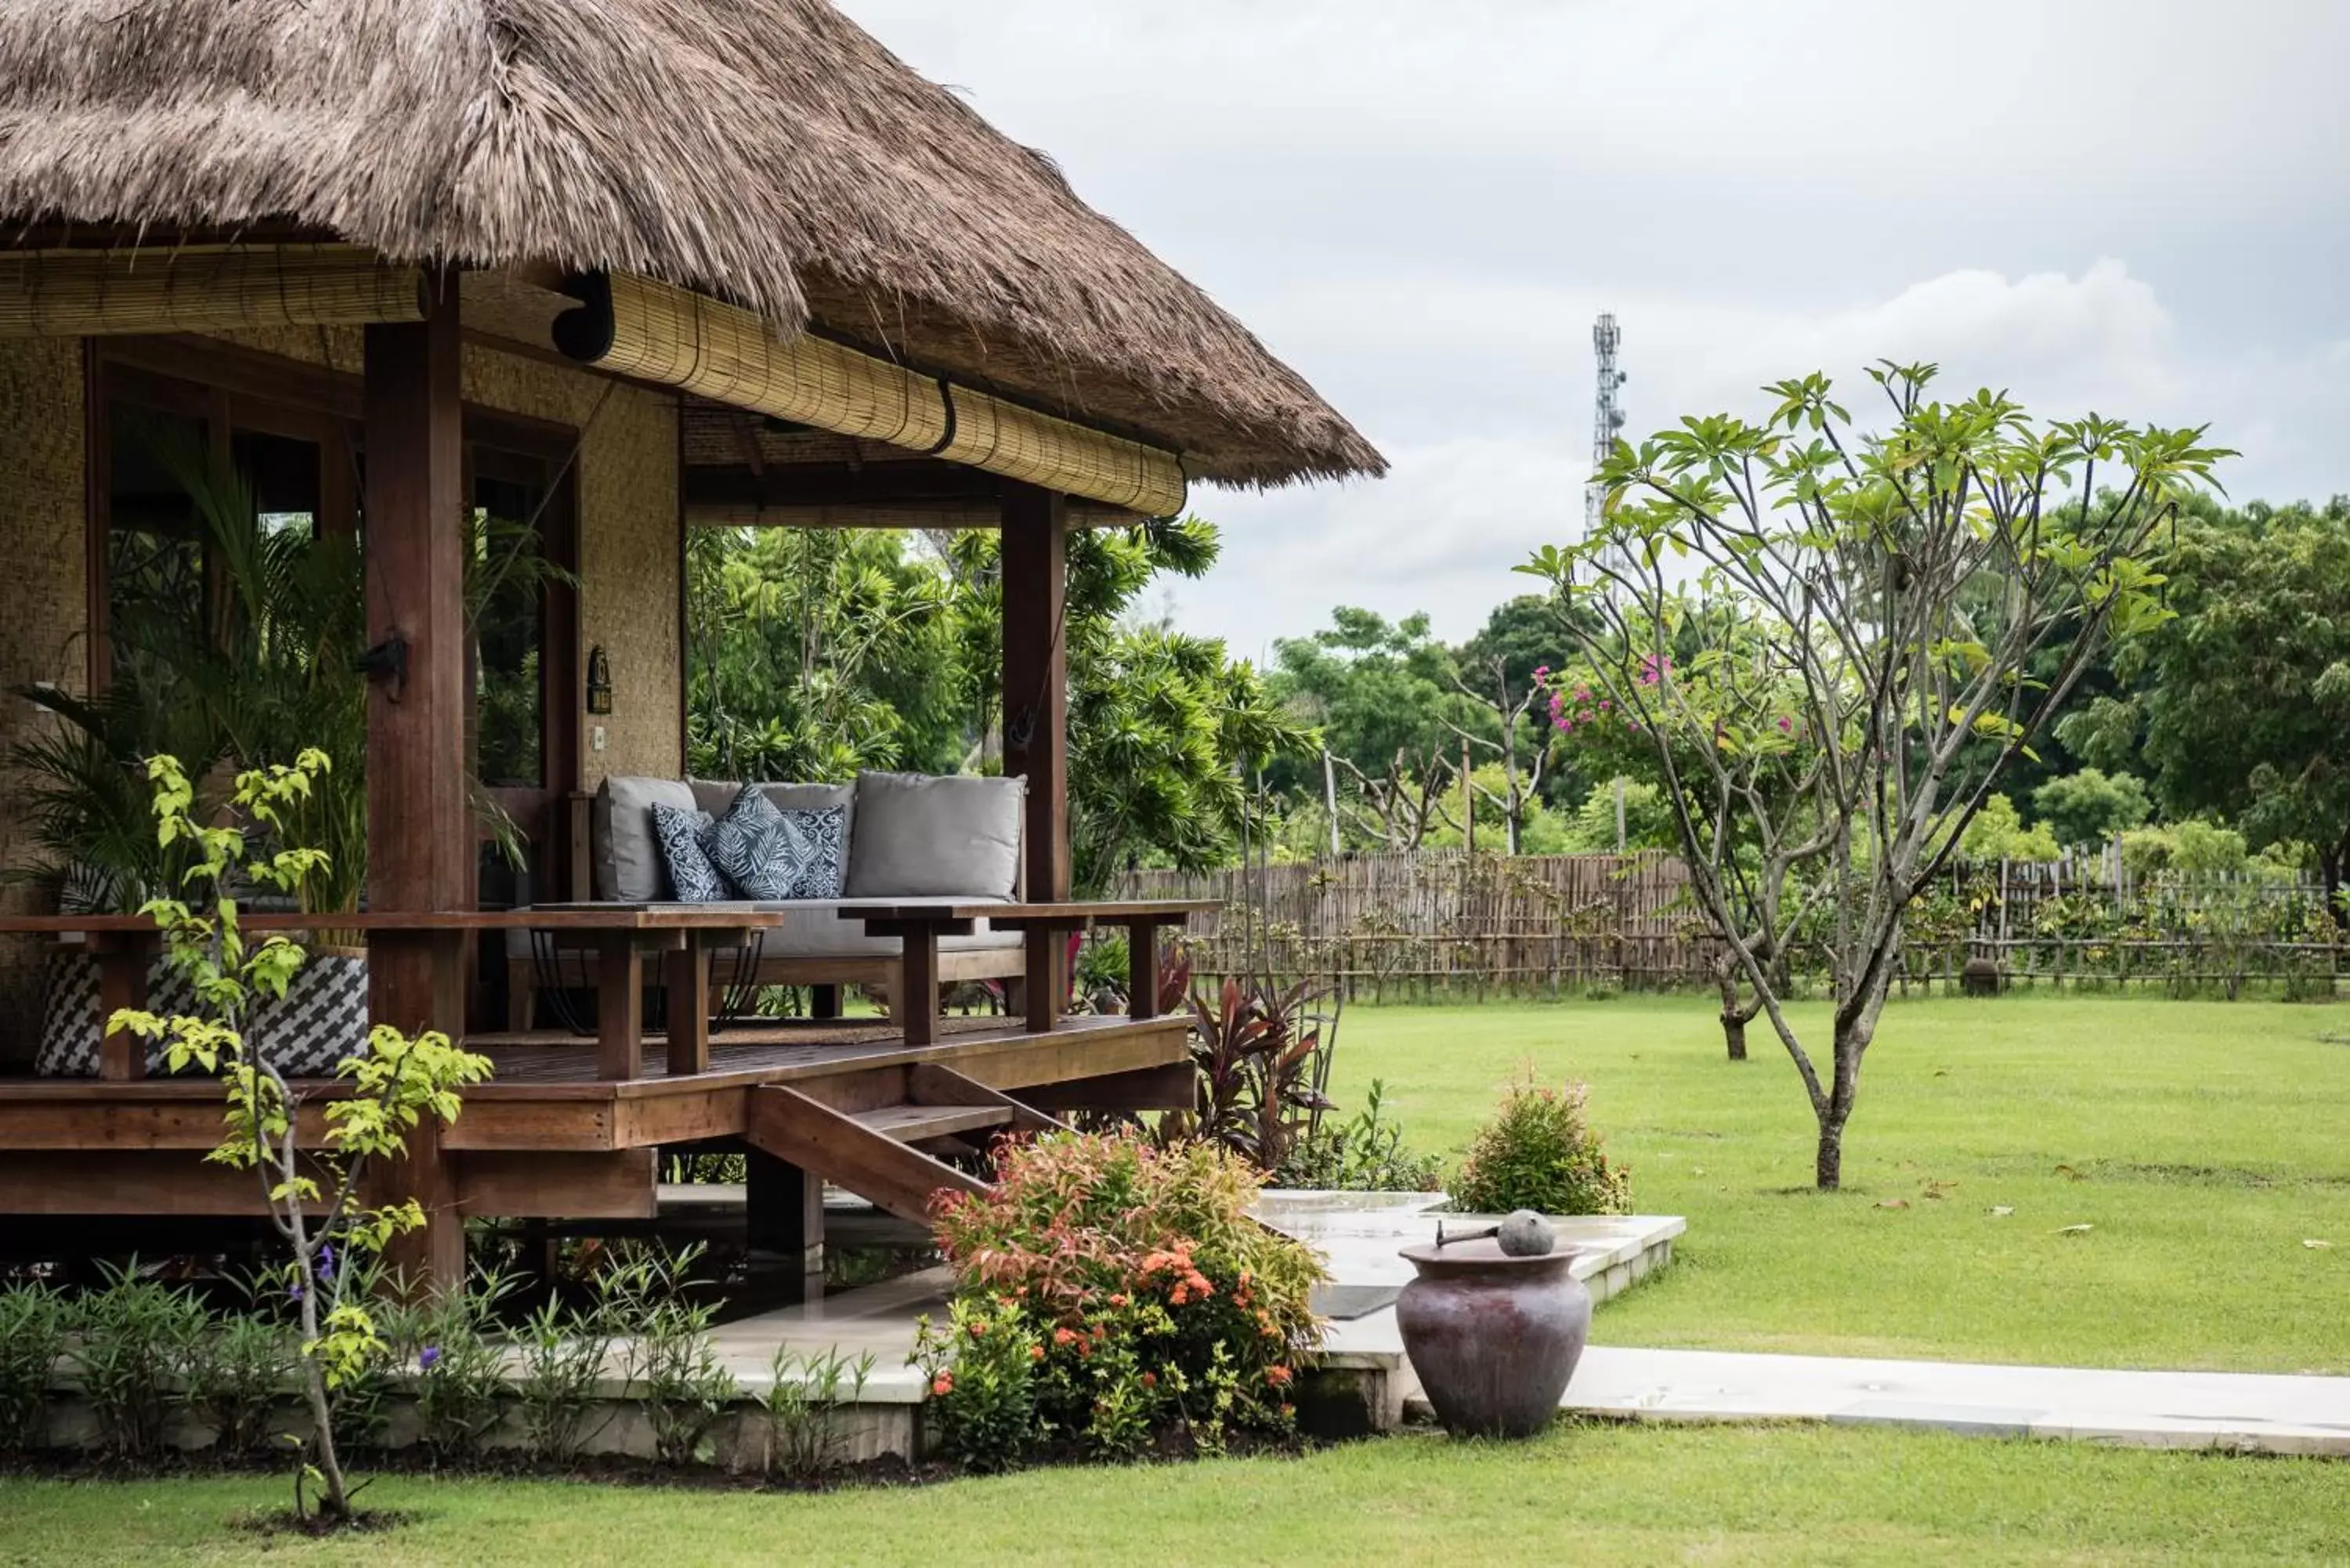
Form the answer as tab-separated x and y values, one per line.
1136	1297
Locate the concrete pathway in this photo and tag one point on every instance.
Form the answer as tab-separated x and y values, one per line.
2265	1414
1358	1233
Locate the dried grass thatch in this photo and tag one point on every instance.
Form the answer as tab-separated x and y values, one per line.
768	151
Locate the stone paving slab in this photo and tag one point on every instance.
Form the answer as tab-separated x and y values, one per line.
2266	1413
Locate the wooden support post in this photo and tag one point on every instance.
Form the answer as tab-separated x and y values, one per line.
1142	968
782	1213
824	1001
916	1000
419	834
688	983
122	961
1037	697
1042	985
619	1007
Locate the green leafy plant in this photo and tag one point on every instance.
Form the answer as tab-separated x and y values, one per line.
239	1371
1108	1290
673	1368
133	1342
1539	1153
804	1396
312	1194
459	1368
562	1356
33	1319
1366	1153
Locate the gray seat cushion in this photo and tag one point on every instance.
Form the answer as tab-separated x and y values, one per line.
919	837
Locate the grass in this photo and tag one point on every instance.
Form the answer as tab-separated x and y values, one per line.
2202	1141
1589	1494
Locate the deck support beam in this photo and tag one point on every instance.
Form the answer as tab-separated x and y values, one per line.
419	835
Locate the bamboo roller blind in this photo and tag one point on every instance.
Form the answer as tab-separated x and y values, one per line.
70	293
677	337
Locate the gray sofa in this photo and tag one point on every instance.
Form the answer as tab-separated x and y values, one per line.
913	839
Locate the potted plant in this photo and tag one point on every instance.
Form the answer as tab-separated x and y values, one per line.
262	664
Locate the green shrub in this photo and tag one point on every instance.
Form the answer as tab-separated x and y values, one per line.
1365	1155
240	1372
1109	1292
459	1377
1539	1152
673	1368
133	1340
804	1396
32	1337
562	1355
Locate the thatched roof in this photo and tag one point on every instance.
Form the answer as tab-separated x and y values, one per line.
768	151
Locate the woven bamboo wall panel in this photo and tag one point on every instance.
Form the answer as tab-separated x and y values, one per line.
721	351
72	294
42	627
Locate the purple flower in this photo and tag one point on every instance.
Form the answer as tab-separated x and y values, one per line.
327	1258
294	1292
1786	725
427	1358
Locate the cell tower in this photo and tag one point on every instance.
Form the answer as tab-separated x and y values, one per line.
1606	419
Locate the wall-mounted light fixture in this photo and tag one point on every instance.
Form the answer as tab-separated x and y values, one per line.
599	680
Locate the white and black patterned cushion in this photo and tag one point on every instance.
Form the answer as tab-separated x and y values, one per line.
322	1019
772	854
822	833
685	841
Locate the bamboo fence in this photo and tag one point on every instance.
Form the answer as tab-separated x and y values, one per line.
1440	923
1401	925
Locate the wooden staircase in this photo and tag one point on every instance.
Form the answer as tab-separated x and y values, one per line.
882	1153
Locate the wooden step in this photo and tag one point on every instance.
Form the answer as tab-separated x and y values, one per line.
917	1124
842	1149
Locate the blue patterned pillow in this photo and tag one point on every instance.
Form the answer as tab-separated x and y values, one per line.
772	854
685	839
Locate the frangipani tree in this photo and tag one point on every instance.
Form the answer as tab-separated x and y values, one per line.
1726	736
1899	587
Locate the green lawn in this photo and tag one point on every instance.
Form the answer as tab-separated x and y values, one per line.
2203	1141
1815	1496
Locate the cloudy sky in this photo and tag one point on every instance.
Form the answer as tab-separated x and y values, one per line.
2139	207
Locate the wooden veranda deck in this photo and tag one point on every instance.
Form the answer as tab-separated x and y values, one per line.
546	1137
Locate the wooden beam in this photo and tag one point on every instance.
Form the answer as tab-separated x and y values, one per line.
782	1213
420	832
1173	1086
934	1084
123	962
1142	968
837	485
687	982
914	1004
619	1007
617	1186
126	1181
1036	680
823	1142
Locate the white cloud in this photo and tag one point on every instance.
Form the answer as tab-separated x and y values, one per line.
1442	532
2140	207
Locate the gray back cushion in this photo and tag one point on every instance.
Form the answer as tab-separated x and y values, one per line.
916	837
718	799
628	864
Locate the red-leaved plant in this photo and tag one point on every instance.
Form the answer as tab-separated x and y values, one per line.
1111	1293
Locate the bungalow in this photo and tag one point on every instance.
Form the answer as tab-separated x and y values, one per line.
610	270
